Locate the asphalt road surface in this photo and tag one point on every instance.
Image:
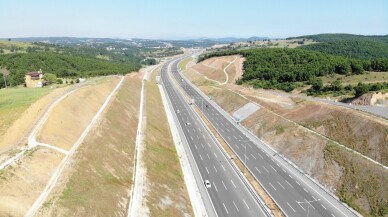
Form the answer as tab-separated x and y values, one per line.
228	194
294	195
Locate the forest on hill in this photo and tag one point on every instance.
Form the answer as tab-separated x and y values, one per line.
61	65
348	45
340	37
287	69
358	49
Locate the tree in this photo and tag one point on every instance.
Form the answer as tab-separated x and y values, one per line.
50	77
316	84
361	89
59	81
336	85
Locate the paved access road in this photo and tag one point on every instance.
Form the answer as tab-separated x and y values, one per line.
295	194
228	194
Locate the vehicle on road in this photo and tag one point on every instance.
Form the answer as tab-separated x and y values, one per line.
207	184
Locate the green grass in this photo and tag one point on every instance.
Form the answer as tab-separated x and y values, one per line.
14	101
183	63
279	130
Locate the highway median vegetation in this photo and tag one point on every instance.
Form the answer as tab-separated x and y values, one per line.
166	191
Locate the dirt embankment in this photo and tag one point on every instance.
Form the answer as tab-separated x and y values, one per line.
22	182
99	180
70	117
380	99
347	175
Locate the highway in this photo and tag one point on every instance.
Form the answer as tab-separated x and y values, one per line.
228	194
295	194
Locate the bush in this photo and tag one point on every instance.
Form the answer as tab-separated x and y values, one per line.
59	81
50	77
361	89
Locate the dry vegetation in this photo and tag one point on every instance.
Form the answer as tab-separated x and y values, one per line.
70	117
100	179
166	192
22	183
347	175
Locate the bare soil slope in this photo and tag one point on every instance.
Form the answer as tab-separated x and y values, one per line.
70	117
23	182
99	181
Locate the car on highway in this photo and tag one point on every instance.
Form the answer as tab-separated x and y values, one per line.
207	184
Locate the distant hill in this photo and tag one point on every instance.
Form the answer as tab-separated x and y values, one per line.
67	40
235	39
348	45
342	36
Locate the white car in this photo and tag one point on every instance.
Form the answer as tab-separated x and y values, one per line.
207	184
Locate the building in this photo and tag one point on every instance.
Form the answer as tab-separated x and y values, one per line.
34	79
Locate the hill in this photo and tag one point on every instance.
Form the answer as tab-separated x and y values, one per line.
339	37
359	49
62	65
348	45
286	69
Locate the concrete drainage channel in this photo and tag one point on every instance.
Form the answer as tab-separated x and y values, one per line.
138	172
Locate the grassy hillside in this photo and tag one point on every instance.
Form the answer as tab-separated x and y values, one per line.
14	101
59	64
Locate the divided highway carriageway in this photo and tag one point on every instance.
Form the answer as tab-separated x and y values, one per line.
228	195
293	192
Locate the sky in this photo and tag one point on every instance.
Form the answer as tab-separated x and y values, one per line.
184	19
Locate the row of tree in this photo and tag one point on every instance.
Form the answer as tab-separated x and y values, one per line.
60	65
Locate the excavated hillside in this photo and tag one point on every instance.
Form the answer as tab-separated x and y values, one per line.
298	128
